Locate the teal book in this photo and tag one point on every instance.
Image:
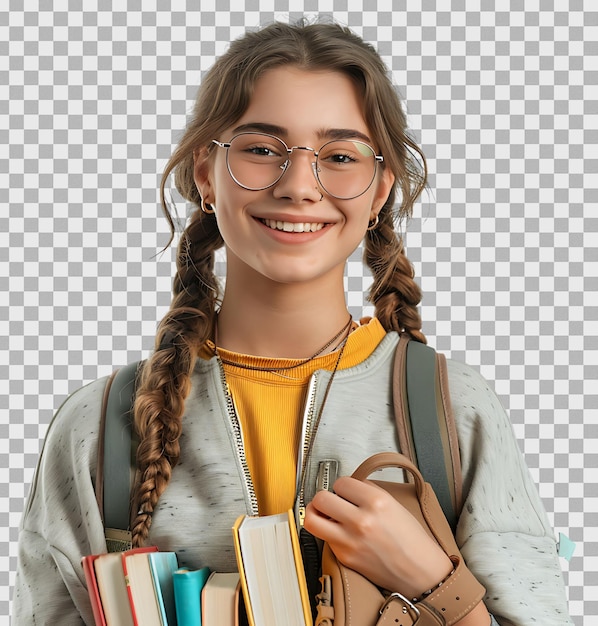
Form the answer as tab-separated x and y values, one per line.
187	595
163	566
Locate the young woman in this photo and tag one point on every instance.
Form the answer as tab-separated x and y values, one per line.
297	150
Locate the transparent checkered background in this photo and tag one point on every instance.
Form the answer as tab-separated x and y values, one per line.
505	105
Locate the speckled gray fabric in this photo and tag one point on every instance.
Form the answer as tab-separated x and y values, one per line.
503	531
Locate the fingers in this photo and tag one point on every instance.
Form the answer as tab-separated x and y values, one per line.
359	492
349	495
352	510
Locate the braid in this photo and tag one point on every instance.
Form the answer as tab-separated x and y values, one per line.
394	292
166	378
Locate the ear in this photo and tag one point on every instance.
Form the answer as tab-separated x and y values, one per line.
202	171
385	184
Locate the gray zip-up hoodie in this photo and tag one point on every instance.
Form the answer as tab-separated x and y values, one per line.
503	531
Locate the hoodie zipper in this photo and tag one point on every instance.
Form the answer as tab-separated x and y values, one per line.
238	434
308	434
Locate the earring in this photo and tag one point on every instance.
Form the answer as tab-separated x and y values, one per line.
373	224
204	207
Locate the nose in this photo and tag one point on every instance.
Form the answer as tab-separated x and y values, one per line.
299	181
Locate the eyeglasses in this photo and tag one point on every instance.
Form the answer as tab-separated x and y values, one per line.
345	168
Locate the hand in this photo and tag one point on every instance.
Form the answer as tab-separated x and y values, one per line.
372	533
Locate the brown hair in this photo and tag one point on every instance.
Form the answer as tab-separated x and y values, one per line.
224	96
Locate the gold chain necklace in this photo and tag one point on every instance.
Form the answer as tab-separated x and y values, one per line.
316	425
274	370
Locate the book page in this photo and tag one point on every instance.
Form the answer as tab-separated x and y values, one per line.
113	590
289	600
270	570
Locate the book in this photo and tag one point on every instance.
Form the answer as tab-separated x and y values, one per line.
188	585
107	589
271	570
140	587
92	589
131	588
220	600
163	565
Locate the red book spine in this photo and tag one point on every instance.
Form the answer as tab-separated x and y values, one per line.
124	558
92	587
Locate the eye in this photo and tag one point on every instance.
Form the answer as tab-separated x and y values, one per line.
341	158
262	151
343	154
338	158
258	148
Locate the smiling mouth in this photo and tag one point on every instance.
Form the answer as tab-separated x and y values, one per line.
293	227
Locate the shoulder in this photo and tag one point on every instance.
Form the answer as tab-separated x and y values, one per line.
69	452
480	418
490	453
469	389
79	415
474	401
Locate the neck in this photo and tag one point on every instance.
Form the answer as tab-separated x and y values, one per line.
276	320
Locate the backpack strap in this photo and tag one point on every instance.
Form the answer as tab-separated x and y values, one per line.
425	426
425	422
116	457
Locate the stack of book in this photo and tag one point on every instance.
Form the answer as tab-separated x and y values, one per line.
145	587
132	588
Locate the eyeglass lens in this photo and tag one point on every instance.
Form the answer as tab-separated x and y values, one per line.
345	168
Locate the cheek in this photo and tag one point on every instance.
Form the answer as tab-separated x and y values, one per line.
218	176
360	211
230	199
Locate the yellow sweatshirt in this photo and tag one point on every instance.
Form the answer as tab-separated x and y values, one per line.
270	408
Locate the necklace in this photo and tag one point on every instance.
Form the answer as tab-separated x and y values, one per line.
301	492
345	330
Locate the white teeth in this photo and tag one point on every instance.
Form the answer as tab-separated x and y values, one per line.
294	227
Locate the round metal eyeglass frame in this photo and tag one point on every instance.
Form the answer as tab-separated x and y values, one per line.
286	164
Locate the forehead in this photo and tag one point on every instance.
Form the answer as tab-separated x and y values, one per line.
305	104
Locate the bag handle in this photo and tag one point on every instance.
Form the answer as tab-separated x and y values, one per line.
384	460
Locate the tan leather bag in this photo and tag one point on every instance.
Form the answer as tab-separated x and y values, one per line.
350	599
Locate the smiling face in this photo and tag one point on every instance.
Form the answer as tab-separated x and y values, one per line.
292	232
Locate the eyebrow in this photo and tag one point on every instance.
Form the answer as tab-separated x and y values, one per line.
323	133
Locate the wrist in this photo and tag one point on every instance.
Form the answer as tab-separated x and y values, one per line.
422	582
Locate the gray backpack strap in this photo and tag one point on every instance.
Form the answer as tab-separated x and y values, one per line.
116	458
425	423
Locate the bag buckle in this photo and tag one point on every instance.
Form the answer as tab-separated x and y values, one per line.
406	608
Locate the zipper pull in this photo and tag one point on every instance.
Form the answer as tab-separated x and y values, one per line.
327	474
